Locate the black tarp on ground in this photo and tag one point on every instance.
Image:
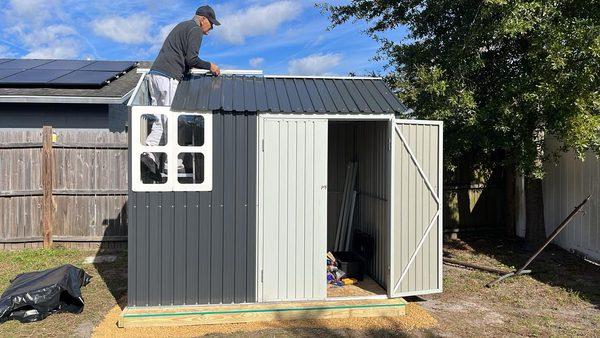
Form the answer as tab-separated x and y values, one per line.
33	296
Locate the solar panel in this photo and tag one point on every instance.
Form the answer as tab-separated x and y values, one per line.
23	63
32	76
65	64
84	78
55	73
8	72
110	66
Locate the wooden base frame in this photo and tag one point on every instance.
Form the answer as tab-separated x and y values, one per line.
243	313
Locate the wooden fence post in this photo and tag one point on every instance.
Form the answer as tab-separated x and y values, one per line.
47	167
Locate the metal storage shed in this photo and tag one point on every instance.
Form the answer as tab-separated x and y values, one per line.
255	224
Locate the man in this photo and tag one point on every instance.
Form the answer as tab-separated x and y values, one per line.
177	56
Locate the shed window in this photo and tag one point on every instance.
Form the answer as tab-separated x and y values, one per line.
153	129
191	130
153	168
191	170
174	156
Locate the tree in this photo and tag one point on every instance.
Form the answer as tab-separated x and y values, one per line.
501	74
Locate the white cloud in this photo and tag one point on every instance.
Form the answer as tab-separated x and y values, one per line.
256	62
133	29
63	49
256	20
36	27
159	38
33	9
54	41
315	64
6	53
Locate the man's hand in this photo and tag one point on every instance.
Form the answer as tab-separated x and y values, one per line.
214	69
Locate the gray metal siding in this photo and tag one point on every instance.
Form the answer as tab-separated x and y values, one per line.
373	186
285	95
341	150
199	247
367	143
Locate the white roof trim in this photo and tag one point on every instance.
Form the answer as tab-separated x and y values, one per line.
135	90
323	77
223	71
260	72
229	71
64	99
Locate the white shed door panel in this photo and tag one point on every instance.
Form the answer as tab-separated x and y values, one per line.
292	209
416	234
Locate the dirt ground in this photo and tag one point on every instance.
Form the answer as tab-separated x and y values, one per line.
560	298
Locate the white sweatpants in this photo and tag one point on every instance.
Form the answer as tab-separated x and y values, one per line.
162	90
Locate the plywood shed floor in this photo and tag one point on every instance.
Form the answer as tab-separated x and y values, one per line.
366	287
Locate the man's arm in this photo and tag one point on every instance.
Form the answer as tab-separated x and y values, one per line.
191	55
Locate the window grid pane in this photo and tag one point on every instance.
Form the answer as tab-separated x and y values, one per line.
153	130
190	130
153	168
190	168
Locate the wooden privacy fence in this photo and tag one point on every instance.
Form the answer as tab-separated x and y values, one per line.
474	208
63	186
84	203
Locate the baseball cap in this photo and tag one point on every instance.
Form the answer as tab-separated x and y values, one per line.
209	13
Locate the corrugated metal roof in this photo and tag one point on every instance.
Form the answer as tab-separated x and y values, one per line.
286	95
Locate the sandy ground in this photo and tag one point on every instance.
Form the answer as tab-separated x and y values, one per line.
561	298
416	318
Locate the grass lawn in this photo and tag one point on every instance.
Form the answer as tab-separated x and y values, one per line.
561	298
97	295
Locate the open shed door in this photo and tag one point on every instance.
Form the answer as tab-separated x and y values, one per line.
292	232
416	208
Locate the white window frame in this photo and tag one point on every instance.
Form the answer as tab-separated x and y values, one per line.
171	148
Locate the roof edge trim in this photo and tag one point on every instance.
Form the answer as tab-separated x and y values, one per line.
64	99
323	77
206	72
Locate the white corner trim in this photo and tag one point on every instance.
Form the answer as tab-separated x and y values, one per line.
134	91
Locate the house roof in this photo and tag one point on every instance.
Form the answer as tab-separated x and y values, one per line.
286	94
115	92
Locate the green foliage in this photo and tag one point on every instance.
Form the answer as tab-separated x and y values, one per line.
499	73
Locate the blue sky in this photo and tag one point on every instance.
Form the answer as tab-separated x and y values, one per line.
279	37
